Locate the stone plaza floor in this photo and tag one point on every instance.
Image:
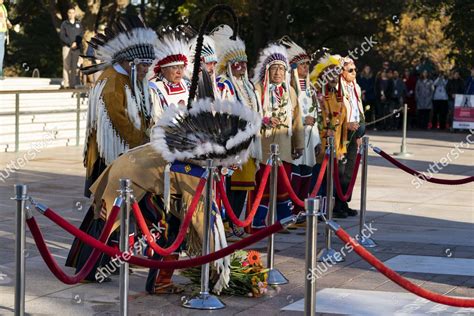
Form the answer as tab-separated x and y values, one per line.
426	232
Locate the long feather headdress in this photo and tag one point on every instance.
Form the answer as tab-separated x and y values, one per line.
127	39
296	54
272	54
228	50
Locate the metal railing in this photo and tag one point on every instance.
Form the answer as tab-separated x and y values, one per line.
17	113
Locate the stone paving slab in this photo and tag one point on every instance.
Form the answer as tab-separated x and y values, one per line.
432	220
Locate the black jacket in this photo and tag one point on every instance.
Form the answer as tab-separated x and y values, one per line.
71	33
455	86
385	86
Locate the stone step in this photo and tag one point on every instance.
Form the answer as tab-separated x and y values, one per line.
25	83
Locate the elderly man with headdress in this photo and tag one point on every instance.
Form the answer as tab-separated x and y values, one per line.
325	77
233	84
281	123
350	92
307	99
120	109
119	113
172	58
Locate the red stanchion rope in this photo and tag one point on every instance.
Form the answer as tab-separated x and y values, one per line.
53	266
256	201
397	278
287	183
322	172
144	262
293	196
337	181
182	230
419	174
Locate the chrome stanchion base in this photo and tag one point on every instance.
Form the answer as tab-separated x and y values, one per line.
328	255
275	277
403	154
367	243
204	301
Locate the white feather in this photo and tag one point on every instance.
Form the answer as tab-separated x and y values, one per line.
264	59
158	137
123	41
132	108
227	50
170	45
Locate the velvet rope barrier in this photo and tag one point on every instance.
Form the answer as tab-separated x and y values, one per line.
182	230
149	263
256	202
322	172
395	277
337	181
419	174
293	196
286	181
91	261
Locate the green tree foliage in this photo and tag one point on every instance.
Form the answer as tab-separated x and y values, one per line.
415	39
461	31
36	45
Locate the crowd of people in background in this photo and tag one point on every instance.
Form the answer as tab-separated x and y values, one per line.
428	94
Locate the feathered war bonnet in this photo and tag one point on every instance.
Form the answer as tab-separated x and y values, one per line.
296	55
328	66
171	49
270	55
207	129
128	39
228	49
208	53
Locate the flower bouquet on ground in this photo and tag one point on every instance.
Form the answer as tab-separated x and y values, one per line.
248	277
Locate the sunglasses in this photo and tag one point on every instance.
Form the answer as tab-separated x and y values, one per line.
351	70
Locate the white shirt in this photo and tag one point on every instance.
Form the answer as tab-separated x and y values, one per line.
354	113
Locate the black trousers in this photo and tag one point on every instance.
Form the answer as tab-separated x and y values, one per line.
236	200
423	118
80	252
345	171
440	113
172	232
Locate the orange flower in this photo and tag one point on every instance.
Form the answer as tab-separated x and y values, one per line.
253	257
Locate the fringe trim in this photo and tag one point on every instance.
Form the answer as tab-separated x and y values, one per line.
94	100
109	142
222	265
132	108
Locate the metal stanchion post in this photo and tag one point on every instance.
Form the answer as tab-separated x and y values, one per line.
20	197
403	149
17	121
311	207
329	254
364	241
78	118
205	300
275	277
125	193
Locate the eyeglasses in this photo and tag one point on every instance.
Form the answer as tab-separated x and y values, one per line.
351	70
